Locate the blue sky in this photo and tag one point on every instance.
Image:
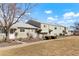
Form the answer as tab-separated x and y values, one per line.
61	13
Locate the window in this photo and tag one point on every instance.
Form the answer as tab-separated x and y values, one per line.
1	30
60	34
22	30
12	30
55	28
44	25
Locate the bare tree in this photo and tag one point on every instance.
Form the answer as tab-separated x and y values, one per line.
76	28
12	13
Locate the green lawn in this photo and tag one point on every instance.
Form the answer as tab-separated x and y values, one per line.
65	46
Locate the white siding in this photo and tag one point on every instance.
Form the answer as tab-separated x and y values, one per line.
57	31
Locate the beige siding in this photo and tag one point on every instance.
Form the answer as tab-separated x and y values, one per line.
24	34
44	28
68	32
57	31
20	34
2	36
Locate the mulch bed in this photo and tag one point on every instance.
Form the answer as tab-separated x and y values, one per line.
5	44
11	42
31	40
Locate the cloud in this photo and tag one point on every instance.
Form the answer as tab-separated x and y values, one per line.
77	15
67	19
70	15
51	19
66	22
48	11
27	13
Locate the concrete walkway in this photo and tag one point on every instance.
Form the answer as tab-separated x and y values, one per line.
27	44
20	42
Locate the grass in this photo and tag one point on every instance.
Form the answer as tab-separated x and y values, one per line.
65	46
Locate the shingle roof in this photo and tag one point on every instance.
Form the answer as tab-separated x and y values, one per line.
37	23
34	23
21	24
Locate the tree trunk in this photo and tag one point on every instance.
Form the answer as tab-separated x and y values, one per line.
38	35
7	35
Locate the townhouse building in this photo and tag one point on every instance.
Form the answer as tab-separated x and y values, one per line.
34	28
50	29
20	30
